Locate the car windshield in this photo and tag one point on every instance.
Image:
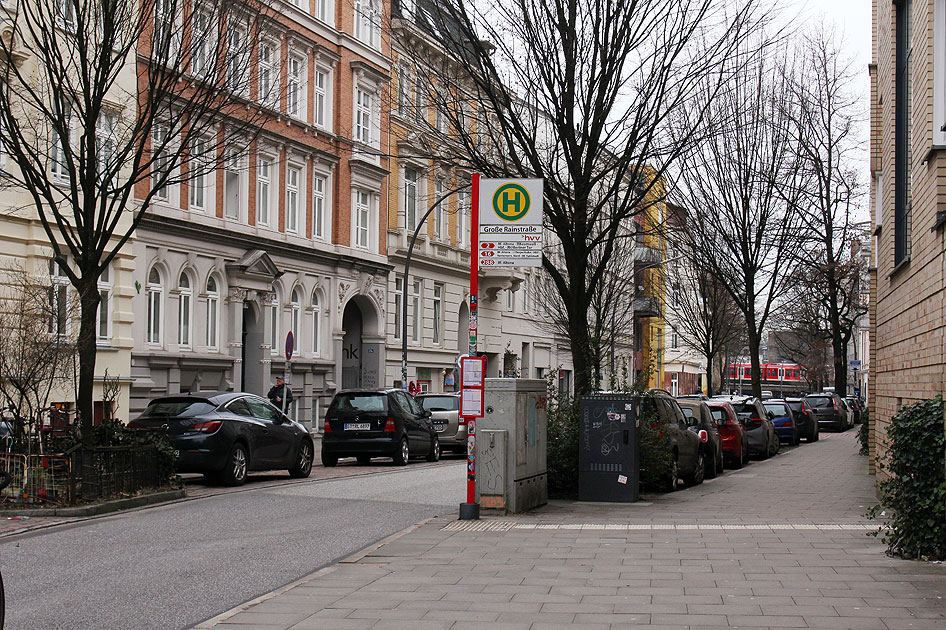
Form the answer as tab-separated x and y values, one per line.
359	403
748	408
178	407
820	401
777	408
440	403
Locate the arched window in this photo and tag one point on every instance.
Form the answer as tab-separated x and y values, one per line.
155	295
213	307
316	324
295	304
274	325
184	311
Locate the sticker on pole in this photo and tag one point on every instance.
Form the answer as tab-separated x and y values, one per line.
510	223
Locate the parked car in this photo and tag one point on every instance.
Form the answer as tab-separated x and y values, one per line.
693	397
713	447
830	411
804	419
445	415
856	407
763	441
685	446
784	421
226	435
734	437
378	423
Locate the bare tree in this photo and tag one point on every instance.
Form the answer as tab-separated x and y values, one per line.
827	115
742	186
36	347
707	319
104	105
578	93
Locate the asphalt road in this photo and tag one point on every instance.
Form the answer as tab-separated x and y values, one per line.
176	565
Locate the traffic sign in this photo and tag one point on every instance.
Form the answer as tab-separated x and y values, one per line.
510	223
290	345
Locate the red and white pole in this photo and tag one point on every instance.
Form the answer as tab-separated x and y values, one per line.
470	510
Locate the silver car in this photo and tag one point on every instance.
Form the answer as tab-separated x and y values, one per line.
445	414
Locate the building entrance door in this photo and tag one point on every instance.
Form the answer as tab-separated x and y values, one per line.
353	325
252	366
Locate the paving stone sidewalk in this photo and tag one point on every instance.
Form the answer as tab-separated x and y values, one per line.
780	544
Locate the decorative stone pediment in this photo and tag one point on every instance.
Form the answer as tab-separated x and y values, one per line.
255	270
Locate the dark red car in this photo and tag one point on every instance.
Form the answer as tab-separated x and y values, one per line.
735	439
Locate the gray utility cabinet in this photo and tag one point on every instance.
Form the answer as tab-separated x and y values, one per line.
608	461
511	441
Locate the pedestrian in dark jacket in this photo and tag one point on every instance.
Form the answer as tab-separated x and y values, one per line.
280	395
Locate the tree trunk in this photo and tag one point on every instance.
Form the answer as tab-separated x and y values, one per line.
709	373
840	365
755	340
85	344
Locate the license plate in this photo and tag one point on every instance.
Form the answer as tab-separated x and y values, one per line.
357	426
440	426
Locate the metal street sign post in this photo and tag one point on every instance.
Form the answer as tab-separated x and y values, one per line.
290	346
505	231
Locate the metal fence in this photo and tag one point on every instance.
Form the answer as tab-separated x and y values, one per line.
107	471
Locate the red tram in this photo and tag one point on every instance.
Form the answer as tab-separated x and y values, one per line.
782	379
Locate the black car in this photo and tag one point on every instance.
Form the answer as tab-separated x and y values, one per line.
227	435
830	411
713	447
763	440
804	418
378	423
685	446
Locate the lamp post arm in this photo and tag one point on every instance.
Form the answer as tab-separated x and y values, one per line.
407	272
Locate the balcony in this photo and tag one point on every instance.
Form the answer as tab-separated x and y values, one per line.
492	280
646	256
645	306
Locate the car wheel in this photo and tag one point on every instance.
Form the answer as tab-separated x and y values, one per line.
817	434
364	459
403	453
234	472
674	476
709	467
329	461
434	454
303	465
796	437
697	477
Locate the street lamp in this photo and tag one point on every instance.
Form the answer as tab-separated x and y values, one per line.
407	271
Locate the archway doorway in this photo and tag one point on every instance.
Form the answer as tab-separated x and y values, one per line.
252	366
353	325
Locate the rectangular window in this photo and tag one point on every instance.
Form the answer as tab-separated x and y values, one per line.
58	301
410	198
403	86
420	102
203	38
295	84
463	202
416	289
902	134
368	21
323	10
154	315
61	144
510	300
363	116
103	321
318	207
320	100
197	186
159	163
437	313
398	306
184	319
107	137
165	44
232	187
268	88
362	219
263	190
293	174
274	328
440	214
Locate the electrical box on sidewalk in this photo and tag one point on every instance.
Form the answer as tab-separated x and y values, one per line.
608	460
511	444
